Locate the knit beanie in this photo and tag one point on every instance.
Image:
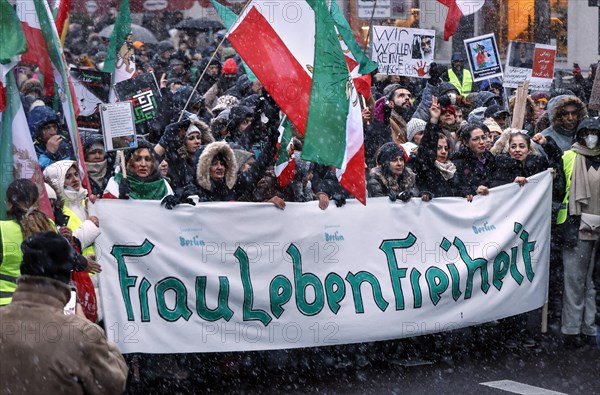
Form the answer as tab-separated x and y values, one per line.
388	152
229	67
414	126
48	254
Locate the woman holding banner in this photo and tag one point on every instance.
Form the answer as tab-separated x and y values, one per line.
142	179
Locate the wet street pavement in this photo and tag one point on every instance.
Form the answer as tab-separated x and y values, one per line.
496	358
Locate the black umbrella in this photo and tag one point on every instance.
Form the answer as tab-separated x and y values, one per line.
139	34
200	24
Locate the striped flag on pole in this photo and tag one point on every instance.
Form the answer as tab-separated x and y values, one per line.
301	64
17	154
46	51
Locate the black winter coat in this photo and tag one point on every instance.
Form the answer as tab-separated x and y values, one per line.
507	169
428	177
471	172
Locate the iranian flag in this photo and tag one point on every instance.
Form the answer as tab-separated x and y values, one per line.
228	17
294	50
285	165
60	12
359	64
45	49
456	10
120	58
16	147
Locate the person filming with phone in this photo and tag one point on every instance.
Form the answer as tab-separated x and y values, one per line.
50	145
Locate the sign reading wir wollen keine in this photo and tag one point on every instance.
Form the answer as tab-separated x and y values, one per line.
247	276
403	51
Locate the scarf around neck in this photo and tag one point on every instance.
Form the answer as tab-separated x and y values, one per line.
446	169
580	193
152	187
97	171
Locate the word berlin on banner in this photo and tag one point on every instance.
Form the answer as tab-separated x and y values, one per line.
246	276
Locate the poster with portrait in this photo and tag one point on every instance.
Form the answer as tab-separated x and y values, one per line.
91	88
530	61
403	51
484	58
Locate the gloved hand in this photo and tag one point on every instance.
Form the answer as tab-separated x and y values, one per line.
426	196
405	196
169	202
124	189
173	200
434	73
393	196
339	198
171	137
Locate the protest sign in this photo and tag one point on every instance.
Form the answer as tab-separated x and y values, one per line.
91	88
117	125
595	95
484	58
142	92
232	276
403	51
532	62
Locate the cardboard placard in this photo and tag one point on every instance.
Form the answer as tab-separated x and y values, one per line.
531	62
403	51
594	103
118	125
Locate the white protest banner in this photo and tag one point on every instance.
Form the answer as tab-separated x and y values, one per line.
403	51
529	61
484	58
246	276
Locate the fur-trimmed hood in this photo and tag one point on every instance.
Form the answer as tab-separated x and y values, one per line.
560	104
205	160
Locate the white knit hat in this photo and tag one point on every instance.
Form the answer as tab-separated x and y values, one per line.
414	126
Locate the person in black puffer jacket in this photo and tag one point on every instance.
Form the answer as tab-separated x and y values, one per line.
522	161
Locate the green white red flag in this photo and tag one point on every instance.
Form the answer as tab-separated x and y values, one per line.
300	62
45	50
359	64
16	146
285	165
120	58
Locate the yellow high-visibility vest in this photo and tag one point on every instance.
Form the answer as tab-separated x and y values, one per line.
467	81
10	267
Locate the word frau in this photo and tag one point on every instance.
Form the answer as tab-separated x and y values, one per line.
329	292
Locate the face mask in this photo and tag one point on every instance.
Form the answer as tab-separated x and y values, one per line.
591	140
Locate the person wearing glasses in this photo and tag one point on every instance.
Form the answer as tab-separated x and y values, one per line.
565	114
474	163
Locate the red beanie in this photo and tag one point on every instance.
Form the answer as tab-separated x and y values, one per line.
229	67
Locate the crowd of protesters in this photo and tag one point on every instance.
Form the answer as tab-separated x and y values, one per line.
445	136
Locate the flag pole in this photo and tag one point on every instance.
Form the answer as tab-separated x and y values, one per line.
208	63
370	27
